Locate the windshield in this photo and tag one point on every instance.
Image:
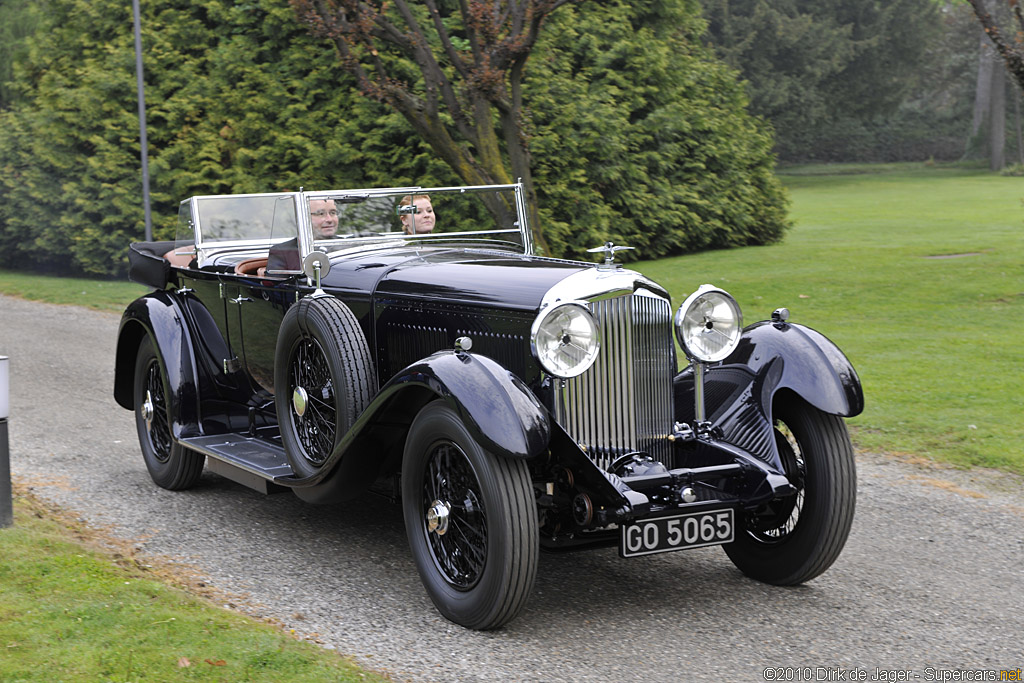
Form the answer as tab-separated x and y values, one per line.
245	219
485	216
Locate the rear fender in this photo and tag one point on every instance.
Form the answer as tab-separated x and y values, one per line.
771	357
158	315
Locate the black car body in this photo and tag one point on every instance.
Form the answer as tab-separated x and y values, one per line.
511	402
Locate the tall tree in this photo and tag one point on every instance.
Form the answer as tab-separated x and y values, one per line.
469	59
641	135
811	63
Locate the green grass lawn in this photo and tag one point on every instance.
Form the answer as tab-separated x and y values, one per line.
101	295
917	273
68	613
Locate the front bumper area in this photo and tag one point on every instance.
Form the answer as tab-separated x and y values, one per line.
582	505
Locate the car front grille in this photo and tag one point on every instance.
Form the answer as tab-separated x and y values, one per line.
624	402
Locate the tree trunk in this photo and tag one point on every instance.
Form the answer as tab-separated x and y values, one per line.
997	121
989	114
1020	132
982	94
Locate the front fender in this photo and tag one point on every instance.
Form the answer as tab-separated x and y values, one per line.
811	365
498	409
771	357
158	315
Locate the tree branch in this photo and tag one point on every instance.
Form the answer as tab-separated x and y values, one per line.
326	22
1012	56
453	55
435	81
487	80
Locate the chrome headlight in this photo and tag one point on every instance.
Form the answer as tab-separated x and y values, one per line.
565	340
709	324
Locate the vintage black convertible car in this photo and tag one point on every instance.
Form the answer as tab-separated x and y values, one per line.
338	342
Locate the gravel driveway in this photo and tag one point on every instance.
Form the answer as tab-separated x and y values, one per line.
932	579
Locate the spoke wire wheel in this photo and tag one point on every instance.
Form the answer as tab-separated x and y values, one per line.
471	519
458	544
171	465
799	537
155	413
316	427
785	513
323	380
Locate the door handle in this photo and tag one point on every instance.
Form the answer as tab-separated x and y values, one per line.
240	300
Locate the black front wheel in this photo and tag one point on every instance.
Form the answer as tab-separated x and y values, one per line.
171	465
471	519
795	539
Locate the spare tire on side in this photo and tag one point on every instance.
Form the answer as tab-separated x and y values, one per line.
323	379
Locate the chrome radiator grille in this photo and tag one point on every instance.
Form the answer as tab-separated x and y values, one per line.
624	402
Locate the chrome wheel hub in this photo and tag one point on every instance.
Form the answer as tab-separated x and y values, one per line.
147	411
437	517
300	399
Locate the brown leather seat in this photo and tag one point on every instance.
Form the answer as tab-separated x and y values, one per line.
181	260
252	267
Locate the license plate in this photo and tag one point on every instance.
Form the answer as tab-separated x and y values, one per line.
677	532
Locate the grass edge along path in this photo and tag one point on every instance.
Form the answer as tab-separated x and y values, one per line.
111	296
73	608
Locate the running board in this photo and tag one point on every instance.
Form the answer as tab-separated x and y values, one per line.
251	462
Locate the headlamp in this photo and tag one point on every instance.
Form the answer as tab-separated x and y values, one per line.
709	325
565	340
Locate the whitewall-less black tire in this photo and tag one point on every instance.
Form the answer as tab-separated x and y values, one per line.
471	518
323	379
171	465
801	537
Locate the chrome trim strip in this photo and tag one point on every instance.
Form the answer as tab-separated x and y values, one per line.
301	201
591	284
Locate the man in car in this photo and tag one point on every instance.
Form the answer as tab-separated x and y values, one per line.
324	216
422	221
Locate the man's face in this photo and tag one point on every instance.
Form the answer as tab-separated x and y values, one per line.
324	216
424	218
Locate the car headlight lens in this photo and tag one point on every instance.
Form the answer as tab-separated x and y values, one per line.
709	324
565	340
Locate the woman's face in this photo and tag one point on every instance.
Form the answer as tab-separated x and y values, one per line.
424	218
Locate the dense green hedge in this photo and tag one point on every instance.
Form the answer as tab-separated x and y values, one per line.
638	134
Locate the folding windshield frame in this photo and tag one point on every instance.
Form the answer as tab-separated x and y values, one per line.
299	202
522	230
207	246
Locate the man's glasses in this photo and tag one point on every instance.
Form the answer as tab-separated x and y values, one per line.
333	213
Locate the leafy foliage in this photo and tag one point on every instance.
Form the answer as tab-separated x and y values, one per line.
642	137
636	132
815	64
18	20
239	101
